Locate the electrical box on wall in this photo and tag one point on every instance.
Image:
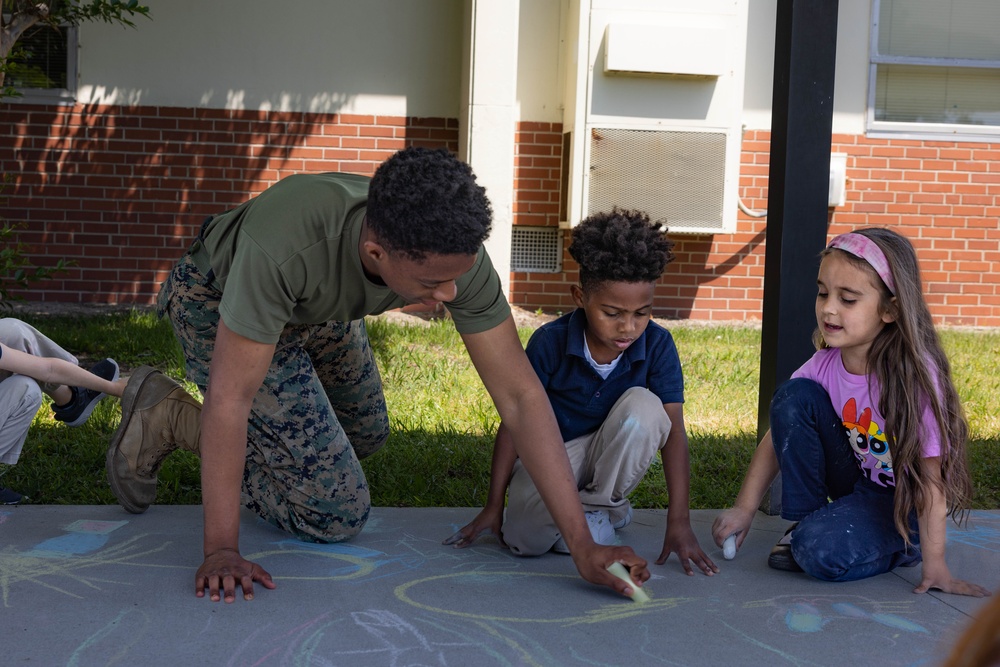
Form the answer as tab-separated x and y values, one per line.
654	98
838	179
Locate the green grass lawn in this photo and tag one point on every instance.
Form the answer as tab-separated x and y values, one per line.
443	421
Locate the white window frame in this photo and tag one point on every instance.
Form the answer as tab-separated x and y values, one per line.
922	131
56	95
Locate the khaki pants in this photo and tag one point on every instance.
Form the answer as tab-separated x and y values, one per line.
608	464
20	396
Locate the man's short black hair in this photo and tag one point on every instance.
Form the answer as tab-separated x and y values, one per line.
620	246
424	201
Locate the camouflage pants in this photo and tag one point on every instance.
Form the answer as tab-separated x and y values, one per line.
319	411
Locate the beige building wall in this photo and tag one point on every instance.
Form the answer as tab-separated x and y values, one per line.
352	57
850	85
381	57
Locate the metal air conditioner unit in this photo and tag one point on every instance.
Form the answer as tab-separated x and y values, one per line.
675	175
653	114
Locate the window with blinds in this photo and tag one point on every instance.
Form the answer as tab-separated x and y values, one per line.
935	67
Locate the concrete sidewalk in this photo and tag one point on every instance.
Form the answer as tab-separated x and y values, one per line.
92	585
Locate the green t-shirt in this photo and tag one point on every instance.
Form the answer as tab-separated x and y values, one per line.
290	256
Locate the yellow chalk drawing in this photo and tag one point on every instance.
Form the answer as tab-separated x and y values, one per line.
526	658
607	612
363	567
20	566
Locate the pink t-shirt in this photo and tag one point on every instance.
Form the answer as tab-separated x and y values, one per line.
859	410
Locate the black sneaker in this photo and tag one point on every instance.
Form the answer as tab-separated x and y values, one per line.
8	497
780	557
84	401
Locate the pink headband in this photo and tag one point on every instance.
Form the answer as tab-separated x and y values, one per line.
863	247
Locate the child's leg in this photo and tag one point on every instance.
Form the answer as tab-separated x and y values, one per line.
816	459
608	464
18	335
528	528
20	399
853	537
621	450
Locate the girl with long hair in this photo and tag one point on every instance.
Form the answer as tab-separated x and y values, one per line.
869	434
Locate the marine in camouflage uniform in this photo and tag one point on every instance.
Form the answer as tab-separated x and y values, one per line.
320	408
319	411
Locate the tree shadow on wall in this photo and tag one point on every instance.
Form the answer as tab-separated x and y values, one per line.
692	268
121	191
678	288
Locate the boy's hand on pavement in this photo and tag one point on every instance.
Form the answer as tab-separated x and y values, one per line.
487	521
682	541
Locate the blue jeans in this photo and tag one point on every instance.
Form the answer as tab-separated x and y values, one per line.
846	530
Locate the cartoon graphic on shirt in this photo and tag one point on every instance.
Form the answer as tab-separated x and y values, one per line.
866	437
857	427
878	445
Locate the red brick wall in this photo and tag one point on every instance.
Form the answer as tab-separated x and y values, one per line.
537	175
537	183
944	196
122	191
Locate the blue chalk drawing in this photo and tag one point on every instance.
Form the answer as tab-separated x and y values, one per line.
802	617
83	537
976	535
848	610
814	614
899	623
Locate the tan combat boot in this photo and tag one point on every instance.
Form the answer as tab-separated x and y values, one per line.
158	416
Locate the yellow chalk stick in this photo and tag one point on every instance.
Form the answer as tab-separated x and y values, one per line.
617	569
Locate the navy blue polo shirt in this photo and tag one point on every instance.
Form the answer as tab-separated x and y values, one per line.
580	398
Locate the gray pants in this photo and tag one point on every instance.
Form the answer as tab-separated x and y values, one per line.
20	396
608	464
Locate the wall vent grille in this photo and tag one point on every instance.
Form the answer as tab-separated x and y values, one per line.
535	249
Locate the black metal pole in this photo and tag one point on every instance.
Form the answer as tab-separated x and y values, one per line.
805	54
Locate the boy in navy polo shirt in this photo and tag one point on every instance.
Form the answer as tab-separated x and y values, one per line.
615	383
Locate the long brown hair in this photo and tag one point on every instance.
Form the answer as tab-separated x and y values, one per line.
911	371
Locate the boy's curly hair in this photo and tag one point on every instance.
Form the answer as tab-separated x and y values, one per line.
620	246
423	201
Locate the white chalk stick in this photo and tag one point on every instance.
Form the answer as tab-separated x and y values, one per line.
617	569
729	547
